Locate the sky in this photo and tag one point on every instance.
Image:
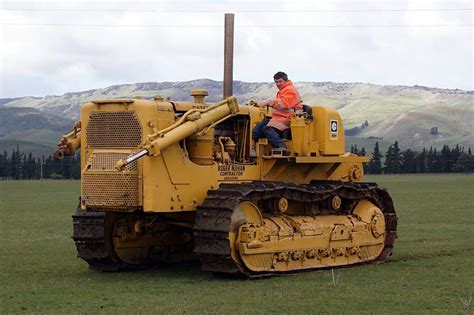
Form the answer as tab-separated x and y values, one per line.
55	47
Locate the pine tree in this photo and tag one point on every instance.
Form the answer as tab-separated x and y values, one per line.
393	160
48	167
30	167
454	156
408	162
15	164
375	163
421	162
3	166
397	159
443	159
365	166
354	149
65	170
23	168
465	163
435	162
41	166
388	169
431	160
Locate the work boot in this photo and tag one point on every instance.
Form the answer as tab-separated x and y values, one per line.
281	151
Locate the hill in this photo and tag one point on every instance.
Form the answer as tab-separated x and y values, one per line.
32	130
415	116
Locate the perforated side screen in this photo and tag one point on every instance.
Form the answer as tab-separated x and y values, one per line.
119	189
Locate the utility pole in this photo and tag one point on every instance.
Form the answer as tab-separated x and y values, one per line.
228	54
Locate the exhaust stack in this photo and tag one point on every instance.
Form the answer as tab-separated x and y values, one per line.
228	54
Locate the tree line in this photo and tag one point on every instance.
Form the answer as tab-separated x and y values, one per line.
19	165
431	160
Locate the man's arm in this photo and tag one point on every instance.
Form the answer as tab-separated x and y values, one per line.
287	100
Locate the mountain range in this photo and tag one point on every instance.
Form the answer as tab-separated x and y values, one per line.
415	116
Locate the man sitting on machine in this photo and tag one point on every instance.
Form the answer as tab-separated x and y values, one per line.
284	106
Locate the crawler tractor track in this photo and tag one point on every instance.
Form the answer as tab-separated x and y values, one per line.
97	235
213	219
92	236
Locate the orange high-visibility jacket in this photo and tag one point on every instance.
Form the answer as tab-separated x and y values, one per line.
287	102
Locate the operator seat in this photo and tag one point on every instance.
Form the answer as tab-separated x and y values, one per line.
308	110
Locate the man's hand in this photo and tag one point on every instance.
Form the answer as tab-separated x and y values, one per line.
267	102
253	103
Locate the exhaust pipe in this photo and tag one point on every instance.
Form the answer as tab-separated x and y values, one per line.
228	54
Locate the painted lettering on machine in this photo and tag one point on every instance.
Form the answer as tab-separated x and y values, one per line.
231	171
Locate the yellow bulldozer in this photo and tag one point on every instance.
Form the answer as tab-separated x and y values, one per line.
165	181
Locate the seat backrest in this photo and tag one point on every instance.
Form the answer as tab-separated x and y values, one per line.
308	110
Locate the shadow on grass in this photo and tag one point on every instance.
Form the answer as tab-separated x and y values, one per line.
188	271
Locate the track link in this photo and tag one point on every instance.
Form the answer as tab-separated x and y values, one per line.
213	218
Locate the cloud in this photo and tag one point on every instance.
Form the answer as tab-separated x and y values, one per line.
39	58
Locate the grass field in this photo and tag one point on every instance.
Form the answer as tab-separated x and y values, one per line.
431	269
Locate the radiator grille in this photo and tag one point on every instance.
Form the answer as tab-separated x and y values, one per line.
117	190
114	130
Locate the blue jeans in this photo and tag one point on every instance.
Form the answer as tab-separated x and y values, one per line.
274	136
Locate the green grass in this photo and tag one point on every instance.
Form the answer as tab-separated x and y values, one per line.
430	270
